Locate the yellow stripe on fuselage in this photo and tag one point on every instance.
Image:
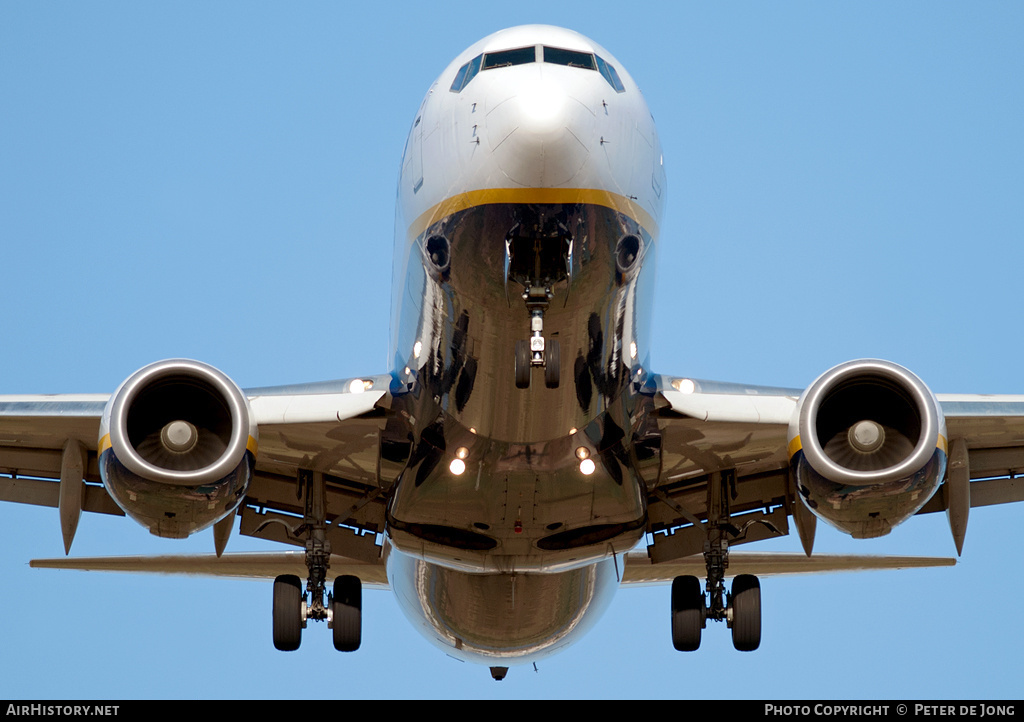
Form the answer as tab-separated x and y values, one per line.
622	204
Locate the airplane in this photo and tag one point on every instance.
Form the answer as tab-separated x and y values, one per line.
537	140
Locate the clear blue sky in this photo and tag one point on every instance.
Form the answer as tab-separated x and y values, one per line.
217	180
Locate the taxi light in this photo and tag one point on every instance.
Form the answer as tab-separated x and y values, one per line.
587	467
457	467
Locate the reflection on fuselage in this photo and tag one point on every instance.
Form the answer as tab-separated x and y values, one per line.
491	498
518	618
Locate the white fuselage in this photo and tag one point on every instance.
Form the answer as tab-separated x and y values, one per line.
533	169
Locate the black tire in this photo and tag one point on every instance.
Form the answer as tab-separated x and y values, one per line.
522	364
552	363
287	612
746	613
687	613
347	613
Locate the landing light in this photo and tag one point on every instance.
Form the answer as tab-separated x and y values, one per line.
358	386
685	386
587	467
457	467
416	349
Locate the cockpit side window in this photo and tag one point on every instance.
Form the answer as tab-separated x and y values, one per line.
572	58
608	71
504	58
460	79
466	73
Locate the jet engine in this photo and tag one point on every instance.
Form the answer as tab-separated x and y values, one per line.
867	446
177	446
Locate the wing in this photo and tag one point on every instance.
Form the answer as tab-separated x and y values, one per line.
742	434
329	428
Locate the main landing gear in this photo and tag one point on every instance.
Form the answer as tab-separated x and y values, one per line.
740	609
292	611
292	607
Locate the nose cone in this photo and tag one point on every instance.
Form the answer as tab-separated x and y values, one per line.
540	134
543	110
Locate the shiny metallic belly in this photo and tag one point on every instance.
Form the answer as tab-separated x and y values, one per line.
491	618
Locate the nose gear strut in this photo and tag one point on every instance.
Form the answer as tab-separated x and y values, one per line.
537	351
538	257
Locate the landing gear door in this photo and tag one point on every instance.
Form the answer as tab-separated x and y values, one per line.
508	264
568	271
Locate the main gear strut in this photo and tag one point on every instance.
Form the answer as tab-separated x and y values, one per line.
741	610
318	548
292	608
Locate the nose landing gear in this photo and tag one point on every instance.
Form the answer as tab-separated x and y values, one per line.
538	255
537	351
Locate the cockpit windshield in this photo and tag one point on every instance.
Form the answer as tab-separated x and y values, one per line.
522	56
572	58
505	58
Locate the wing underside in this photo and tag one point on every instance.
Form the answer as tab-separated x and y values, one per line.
735	434
739	433
329	429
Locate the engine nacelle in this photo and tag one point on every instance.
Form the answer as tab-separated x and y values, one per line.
177	446
867	446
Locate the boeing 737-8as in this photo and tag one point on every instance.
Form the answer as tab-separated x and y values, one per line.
497	477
